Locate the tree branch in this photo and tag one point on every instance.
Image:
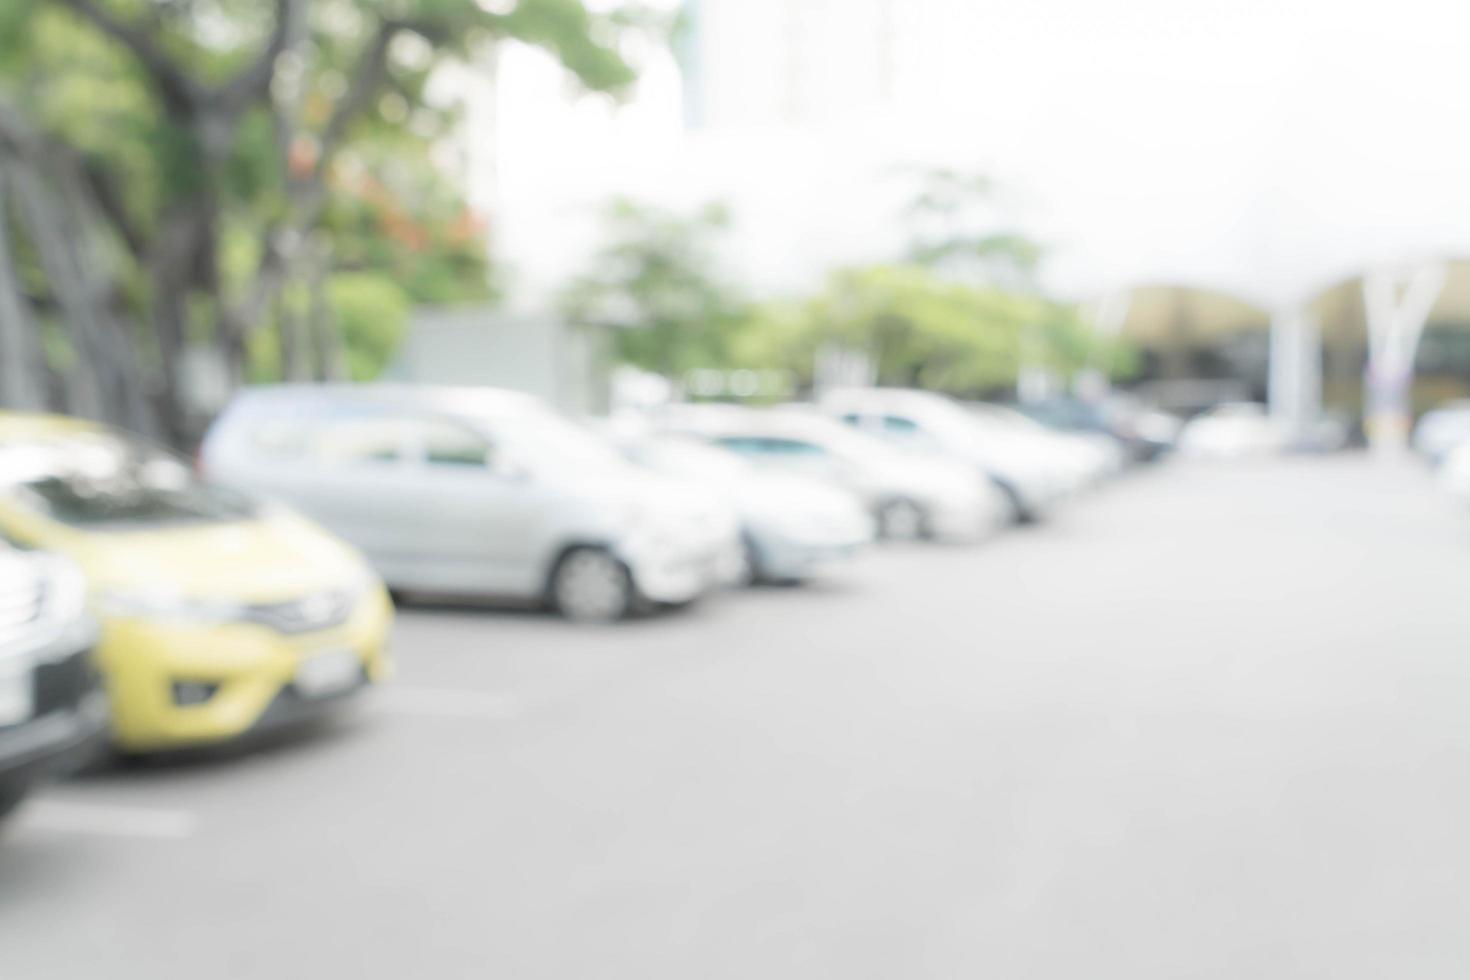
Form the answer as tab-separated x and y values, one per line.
179	92
254	80
368	77
111	204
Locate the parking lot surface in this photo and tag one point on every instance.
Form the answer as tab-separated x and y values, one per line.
1209	722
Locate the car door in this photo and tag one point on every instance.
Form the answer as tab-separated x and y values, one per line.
486	518
347	469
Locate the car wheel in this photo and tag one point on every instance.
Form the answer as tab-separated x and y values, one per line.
591	586
1019	512
11	797
750	572
901	520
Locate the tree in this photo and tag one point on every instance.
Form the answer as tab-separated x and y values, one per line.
916	328
213	137
654	281
955	229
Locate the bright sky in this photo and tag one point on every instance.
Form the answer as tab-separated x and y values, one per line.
1264	146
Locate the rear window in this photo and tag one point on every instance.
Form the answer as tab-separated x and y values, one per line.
108	479
345	439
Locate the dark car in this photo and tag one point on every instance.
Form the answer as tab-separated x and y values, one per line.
53	712
1145	434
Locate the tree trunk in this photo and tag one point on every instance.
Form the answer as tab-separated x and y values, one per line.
326	341
20	362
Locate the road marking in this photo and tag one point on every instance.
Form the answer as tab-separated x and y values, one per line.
428	702
54	816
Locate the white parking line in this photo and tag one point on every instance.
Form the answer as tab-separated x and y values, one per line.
52	816
428	702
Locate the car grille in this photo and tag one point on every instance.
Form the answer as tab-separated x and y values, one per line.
22	596
62	685
321	611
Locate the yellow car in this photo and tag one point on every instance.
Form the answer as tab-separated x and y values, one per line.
221	616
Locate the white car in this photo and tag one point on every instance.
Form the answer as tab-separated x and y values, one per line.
909	496
1454	472
1077	461
1231	430
1442	429
792	524
477	492
53	710
1025	471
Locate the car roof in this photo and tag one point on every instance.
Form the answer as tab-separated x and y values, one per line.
457	400
39	425
778	422
880	398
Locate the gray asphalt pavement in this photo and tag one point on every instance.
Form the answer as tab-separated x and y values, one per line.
1209	723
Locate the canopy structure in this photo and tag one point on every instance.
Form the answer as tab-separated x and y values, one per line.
1265	150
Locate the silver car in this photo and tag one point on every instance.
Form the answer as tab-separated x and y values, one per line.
909	496
792	525
477	492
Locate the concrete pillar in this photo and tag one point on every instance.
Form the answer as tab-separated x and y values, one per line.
1295	373
1396	303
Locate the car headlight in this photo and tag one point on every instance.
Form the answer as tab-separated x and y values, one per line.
169	607
66	591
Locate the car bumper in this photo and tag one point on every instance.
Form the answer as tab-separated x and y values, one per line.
253	674
684	574
783	558
55	743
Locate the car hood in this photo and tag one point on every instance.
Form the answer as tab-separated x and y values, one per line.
924	477
761	495
664	500
275	556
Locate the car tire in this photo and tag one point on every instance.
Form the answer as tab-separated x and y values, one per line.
1019	512
12	795
590	585
902	520
751	573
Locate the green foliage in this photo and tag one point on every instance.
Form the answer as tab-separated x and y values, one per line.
654	282
393	227
918	329
371	313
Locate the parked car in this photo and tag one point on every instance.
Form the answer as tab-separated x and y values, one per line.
1442	429
1076	461
478	492
791	525
910	497
929	422
221	616
1143	433
53	711
1454	472
1231	430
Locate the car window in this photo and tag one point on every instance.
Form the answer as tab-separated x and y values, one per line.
448	443
358	440
771	446
106	479
898	425
280	438
794	447
746	445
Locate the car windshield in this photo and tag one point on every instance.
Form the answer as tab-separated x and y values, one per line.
844	441
678	456
546	439
108	480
